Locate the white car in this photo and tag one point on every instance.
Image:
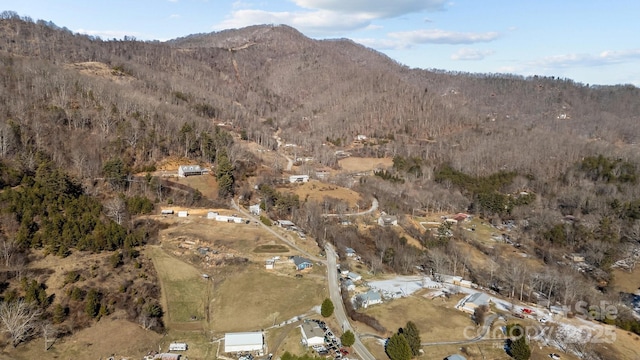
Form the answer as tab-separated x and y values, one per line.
543	320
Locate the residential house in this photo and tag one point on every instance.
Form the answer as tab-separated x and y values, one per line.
474	301
369	298
354	276
285	224
349	285
350	252
255	209
269	264
301	263
387	220
190	170
298	178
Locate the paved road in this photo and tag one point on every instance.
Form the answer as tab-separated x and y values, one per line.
374	207
275	233
336	298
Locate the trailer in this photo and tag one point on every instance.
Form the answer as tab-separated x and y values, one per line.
178	346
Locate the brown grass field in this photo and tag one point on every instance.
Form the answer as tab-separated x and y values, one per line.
184	291
626	281
316	191
251	298
107	337
355	164
436	319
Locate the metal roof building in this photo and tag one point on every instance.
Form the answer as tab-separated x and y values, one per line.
243	342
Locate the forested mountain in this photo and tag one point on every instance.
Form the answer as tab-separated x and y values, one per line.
534	151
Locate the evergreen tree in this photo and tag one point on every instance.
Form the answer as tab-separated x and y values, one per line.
224	174
327	308
411	333
519	349
348	338
398	348
92	305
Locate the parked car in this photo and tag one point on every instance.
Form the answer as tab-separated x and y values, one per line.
344	351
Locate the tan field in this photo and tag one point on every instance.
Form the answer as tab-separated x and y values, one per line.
355	164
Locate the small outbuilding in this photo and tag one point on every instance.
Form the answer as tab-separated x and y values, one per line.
183	213
298	178
243	342
178	346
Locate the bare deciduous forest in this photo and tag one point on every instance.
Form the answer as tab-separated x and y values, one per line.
557	158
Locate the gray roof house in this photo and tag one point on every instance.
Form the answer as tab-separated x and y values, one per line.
371	297
474	301
301	263
387	220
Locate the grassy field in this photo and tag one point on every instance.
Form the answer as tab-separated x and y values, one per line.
353	164
183	288
316	191
436	319
626	281
250	298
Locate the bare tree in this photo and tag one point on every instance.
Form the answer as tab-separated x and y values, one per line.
116	209
9	246
19	319
49	333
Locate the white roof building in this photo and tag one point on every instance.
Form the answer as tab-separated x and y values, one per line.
243	342
311	334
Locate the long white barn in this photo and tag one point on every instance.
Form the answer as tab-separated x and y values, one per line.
243	342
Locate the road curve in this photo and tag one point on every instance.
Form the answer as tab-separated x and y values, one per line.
374	207
336	298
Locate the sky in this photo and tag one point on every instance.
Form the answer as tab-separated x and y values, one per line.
592	42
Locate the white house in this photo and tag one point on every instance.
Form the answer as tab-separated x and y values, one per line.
166	212
189	170
233	219
369	298
269	264
183	213
243	342
387	220
255	209
285	223
212	214
298	178
311	334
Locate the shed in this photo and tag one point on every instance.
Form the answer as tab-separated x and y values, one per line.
189	170
166	212
269	264
178	346
312	334
243	342
349	285
183	213
212	214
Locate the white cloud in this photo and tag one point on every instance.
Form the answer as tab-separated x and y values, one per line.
606	57
436	36
173	1
375	8
471	54
311	23
174	16
383	44
109	34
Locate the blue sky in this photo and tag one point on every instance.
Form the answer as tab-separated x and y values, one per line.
589	41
